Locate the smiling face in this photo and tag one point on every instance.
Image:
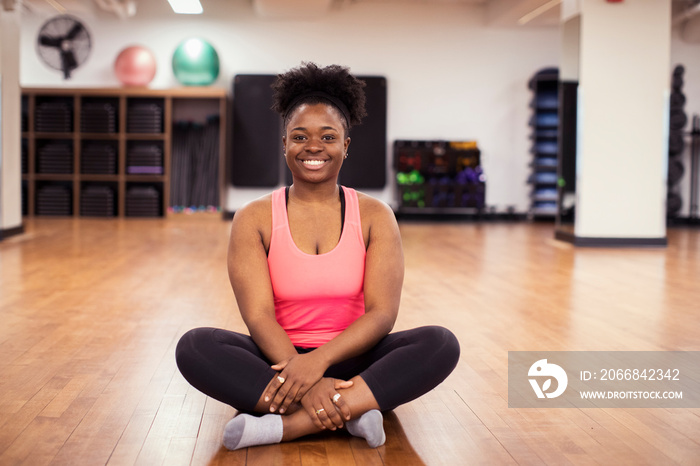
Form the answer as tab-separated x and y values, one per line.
315	143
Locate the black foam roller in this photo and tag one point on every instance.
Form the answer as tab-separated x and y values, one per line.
673	204
677	82
676	143
677	100
678	120
675	171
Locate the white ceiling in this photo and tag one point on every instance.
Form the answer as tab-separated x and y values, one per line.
498	12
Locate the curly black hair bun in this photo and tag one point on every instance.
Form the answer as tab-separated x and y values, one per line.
311	84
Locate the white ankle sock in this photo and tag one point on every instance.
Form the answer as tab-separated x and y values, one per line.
245	430
369	426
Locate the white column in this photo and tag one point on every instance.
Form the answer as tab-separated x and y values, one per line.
10	124
622	136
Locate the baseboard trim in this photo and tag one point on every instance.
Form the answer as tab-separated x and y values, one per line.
683	222
7	232
610	242
450	217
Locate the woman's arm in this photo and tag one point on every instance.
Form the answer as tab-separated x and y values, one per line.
384	271
250	279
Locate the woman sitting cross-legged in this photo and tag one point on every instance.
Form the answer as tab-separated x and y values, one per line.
317	270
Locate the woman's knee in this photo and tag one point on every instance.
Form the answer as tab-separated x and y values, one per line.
443	343
191	347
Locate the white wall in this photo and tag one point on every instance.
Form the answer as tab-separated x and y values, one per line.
449	75
10	131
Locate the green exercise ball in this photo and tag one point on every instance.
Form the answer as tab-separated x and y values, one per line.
195	62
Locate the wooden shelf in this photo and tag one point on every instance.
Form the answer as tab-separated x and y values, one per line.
145	178
145	137
184	92
120	181
53	177
106	178
100	136
52	135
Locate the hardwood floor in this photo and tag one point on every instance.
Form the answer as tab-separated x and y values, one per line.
91	311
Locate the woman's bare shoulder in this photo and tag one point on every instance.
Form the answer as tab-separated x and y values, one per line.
256	213
373	207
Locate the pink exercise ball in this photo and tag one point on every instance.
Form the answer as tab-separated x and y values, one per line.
135	66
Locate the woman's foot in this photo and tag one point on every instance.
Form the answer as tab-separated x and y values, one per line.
369	426
245	431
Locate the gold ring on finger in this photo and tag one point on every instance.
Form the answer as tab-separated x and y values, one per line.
319	411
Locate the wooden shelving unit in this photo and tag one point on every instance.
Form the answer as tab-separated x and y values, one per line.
120	180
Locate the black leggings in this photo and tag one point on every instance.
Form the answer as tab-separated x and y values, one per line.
229	367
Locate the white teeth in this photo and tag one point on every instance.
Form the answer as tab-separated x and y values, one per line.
313	162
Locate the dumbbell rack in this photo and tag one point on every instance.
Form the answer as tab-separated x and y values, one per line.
439	177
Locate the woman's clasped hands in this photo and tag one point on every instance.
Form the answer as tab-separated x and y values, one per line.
325	406
300	380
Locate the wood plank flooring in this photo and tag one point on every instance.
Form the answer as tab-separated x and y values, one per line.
91	310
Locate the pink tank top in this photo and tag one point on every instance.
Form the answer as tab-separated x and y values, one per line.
317	296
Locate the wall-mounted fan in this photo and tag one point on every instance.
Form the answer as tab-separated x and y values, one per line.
64	43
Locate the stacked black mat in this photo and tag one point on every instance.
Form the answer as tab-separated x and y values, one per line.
25	156
144	159
143	201
98	117
53	117
25	198
25	114
53	199
144	118
98	158
55	158
97	201
195	164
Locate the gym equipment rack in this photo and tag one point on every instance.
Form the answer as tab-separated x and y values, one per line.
544	125
107	151
439	177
